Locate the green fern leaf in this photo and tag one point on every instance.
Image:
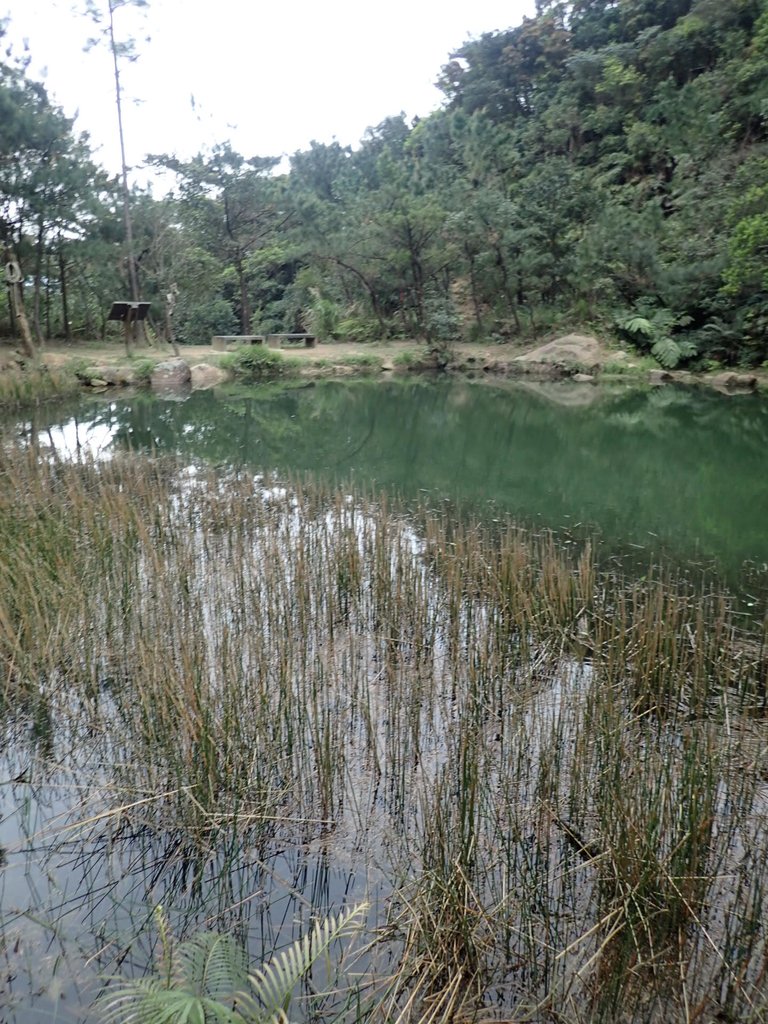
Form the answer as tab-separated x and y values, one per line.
638	325
208	970
663	320
273	984
141	1002
688	349
666	351
205	979
212	965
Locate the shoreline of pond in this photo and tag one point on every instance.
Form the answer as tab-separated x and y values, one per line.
66	370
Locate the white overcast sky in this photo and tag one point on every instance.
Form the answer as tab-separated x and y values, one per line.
267	76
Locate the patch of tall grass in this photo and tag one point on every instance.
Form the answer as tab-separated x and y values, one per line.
29	385
560	772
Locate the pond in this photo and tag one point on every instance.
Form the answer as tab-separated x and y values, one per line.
254	697
669	469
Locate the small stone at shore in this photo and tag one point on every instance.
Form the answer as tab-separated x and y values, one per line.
203	375
731	381
171	373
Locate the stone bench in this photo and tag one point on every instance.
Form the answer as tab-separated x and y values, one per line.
221	342
310	340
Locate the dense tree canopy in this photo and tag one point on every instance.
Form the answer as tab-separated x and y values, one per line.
604	163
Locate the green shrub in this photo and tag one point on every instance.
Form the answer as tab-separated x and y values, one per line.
711	365
323	317
407	358
255	363
79	366
441	320
359	328
198	324
363	360
618	369
142	369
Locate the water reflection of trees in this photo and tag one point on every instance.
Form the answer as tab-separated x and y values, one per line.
683	465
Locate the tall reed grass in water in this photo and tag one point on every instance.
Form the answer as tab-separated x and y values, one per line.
560	771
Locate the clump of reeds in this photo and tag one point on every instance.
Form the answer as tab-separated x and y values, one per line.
35	383
558	770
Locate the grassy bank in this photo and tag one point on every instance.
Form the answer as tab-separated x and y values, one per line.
62	366
32	384
557	772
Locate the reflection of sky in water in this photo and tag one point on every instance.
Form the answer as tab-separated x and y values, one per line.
77	439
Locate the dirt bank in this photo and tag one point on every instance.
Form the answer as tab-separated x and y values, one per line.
577	356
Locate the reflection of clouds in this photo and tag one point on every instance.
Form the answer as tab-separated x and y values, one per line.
75	439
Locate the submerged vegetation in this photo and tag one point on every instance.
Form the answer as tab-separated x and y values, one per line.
548	779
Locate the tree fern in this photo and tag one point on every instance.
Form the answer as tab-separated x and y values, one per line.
638	325
666	352
656	328
669	352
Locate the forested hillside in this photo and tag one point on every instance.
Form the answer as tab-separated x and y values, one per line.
604	163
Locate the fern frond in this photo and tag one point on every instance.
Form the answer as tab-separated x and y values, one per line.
663	320
639	325
667	352
688	348
208	972
212	965
209	980
146	1002
123	1001
273	984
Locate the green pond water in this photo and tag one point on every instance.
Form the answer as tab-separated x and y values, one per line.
674	471
670	472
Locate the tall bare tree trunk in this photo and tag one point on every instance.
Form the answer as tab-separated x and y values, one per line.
64	301
245	302
36	319
170	303
48	327
14	279
133	279
20	316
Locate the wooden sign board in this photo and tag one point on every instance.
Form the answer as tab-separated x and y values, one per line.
128	312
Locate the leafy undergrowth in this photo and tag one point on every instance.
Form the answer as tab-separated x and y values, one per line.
257	364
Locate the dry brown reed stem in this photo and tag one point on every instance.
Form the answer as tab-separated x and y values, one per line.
255	667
